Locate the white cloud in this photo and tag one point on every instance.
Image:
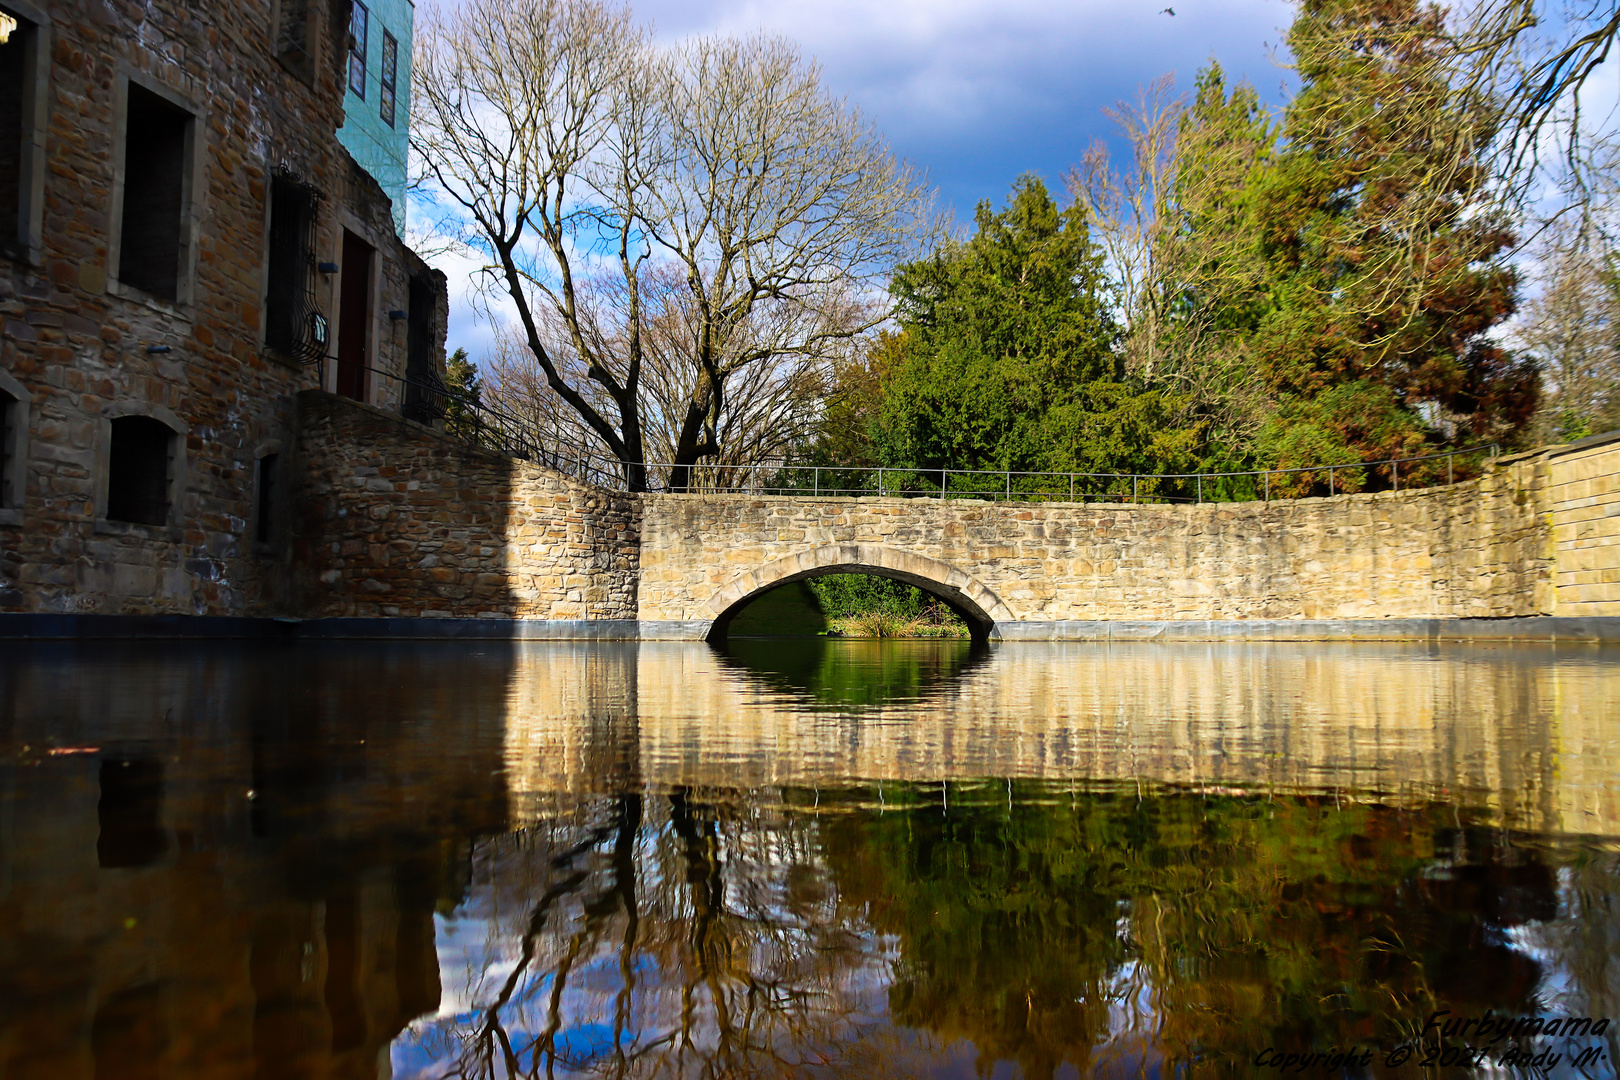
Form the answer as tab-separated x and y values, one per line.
951	74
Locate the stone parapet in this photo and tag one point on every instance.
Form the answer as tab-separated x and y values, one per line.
397	520
1542	628
1584	493
1478	549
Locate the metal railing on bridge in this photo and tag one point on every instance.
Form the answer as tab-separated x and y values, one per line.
471	420
790	478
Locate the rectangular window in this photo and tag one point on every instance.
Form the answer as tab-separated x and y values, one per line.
423	388
23	68
139	471
8	418
390	71
155	139
264	528
354	317
290	268
359	27
292	38
131	813
14	53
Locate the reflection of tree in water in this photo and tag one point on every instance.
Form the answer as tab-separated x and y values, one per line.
766	935
1585	944
845	672
1101	929
658	936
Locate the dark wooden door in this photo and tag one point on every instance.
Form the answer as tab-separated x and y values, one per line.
354	318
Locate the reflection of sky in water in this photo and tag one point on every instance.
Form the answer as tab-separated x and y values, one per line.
1057	859
845	1023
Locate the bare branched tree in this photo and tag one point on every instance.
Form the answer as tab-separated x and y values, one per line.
1573	330
1541	77
772	406
1171	224
1128	210
573	150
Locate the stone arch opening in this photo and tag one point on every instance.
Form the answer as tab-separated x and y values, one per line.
980	608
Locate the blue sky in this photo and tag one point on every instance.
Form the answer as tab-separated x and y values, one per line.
977	92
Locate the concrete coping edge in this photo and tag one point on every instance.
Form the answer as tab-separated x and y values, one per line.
47	627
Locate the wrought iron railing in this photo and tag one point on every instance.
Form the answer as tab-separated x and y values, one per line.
788	478
470	419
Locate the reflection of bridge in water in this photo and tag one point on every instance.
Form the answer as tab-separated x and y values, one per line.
1526	732
237	861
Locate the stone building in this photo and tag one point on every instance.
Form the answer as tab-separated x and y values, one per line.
185	244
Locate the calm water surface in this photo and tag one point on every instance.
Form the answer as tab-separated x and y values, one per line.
802	859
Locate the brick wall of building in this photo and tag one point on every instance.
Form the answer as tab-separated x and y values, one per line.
399	520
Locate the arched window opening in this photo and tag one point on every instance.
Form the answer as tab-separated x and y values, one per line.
140	471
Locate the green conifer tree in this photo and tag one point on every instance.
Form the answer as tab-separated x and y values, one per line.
1010	357
466	393
1385	256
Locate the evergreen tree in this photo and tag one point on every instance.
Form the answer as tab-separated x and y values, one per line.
1384	254
1210	269
1010	358
466	394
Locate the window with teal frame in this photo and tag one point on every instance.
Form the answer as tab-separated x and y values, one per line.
390	71
359	26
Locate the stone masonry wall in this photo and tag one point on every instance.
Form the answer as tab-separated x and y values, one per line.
1477	549
396	519
1585	497
82	347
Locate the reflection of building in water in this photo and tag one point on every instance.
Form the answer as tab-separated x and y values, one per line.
227	861
208	868
1528	732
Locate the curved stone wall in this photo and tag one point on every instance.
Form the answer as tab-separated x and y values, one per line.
1474	550
399	521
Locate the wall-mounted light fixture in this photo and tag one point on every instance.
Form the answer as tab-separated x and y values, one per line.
8	26
397	315
154	349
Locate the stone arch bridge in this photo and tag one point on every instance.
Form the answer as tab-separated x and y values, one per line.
398	522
